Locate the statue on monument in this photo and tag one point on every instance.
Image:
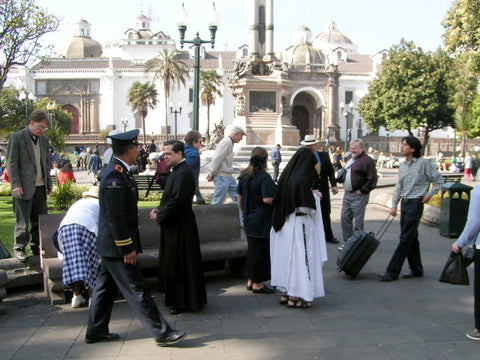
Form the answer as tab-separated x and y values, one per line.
217	135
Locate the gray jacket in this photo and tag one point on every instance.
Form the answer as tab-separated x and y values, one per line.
21	165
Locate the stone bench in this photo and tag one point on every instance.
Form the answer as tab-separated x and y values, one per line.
221	239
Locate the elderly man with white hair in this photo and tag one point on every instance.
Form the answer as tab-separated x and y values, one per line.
221	168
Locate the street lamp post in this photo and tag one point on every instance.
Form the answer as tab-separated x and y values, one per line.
182	22
176	112
125	124
25	98
347	109
51	106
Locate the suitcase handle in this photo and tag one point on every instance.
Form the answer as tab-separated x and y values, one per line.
386	224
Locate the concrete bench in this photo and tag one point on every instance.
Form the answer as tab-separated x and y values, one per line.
221	239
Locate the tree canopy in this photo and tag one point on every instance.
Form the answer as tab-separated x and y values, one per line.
141	97
172	72
210	82
14	114
462	24
413	90
22	24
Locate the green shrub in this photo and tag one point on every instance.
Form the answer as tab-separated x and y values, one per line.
64	195
153	196
5	190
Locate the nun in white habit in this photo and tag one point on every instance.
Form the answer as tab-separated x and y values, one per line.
297	239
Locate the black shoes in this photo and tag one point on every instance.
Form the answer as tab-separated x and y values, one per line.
411	275
35	250
175	311
102	338
20	254
171	337
264	290
386	277
332	241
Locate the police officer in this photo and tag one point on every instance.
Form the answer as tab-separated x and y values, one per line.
118	244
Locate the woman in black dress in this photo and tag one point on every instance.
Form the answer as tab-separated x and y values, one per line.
255	196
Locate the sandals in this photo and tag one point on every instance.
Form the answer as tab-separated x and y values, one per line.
298	303
283	299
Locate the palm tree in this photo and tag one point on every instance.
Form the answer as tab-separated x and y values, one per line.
466	84
171	71
141	97
209	83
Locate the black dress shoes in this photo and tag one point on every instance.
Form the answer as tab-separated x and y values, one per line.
171	337
102	338
264	290
411	275
333	241
386	277
174	310
35	250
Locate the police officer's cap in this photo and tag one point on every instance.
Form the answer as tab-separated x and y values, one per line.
124	138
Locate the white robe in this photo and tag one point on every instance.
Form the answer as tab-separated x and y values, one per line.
297	257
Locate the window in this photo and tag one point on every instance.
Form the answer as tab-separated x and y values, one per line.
190	95
348	96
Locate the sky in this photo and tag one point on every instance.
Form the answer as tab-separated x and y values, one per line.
373	25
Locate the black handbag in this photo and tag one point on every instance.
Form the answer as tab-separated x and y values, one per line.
341	175
455	271
468	256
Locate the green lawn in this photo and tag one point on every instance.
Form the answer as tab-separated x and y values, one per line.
7	218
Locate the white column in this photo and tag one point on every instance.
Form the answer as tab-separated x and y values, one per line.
269	28
253	28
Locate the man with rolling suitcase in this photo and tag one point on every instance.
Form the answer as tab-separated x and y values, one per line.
414	178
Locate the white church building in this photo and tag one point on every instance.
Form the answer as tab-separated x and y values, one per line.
278	96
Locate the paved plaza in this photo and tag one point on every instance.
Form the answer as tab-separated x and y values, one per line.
360	319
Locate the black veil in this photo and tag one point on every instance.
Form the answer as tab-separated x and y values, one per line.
295	186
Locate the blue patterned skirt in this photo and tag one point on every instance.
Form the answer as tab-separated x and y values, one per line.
80	260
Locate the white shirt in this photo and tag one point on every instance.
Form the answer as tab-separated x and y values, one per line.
84	212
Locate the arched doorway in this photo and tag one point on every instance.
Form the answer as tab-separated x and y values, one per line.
300	119
75	128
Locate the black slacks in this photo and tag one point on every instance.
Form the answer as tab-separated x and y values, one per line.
326	209
129	279
409	246
476	288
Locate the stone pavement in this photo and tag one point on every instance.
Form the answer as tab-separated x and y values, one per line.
359	319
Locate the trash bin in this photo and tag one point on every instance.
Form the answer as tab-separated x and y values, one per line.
454	208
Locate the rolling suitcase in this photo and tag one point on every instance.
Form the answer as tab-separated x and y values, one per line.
357	250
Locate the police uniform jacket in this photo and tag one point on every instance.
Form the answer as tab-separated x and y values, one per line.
118	233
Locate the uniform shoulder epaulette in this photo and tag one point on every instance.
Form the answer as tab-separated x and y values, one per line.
118	168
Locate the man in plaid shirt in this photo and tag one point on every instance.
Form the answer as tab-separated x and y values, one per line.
414	178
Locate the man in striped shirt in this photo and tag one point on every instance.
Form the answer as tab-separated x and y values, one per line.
413	188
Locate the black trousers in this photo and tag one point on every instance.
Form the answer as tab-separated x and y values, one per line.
258	259
327	223
115	274
409	246
476	288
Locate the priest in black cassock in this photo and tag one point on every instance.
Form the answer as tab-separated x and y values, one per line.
181	273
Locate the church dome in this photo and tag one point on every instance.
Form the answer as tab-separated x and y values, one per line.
83	46
332	38
332	35
304	54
